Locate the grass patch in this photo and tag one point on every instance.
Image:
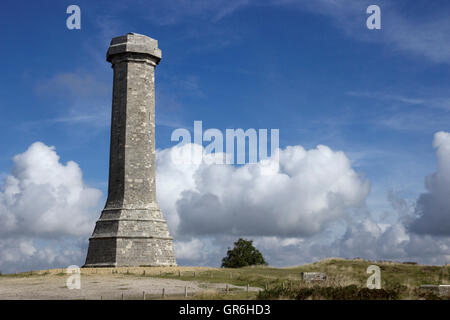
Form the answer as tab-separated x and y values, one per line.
26	274
211	294
345	278
399	280
217	295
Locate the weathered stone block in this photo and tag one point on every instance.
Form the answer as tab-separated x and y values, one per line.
443	289
313	276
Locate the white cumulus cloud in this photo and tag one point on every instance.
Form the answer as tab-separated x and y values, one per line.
433	207
290	215
43	201
46	198
293	215
310	190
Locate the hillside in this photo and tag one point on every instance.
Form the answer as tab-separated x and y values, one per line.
203	282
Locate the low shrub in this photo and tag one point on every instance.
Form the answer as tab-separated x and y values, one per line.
277	292
351	292
428	295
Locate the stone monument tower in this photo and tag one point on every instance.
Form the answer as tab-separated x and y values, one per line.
131	230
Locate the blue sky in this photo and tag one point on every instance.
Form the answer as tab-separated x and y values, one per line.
309	68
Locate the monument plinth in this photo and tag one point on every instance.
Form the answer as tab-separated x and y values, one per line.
131	230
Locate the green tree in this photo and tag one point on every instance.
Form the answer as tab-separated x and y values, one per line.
243	254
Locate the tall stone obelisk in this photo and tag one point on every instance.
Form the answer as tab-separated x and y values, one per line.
131	230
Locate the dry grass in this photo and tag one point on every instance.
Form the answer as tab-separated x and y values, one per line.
340	272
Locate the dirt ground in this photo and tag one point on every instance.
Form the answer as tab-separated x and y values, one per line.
96	286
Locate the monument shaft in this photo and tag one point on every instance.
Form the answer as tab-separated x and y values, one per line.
131	230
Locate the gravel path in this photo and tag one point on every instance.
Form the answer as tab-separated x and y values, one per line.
96	286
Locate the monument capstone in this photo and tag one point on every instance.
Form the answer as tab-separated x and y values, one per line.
131	230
